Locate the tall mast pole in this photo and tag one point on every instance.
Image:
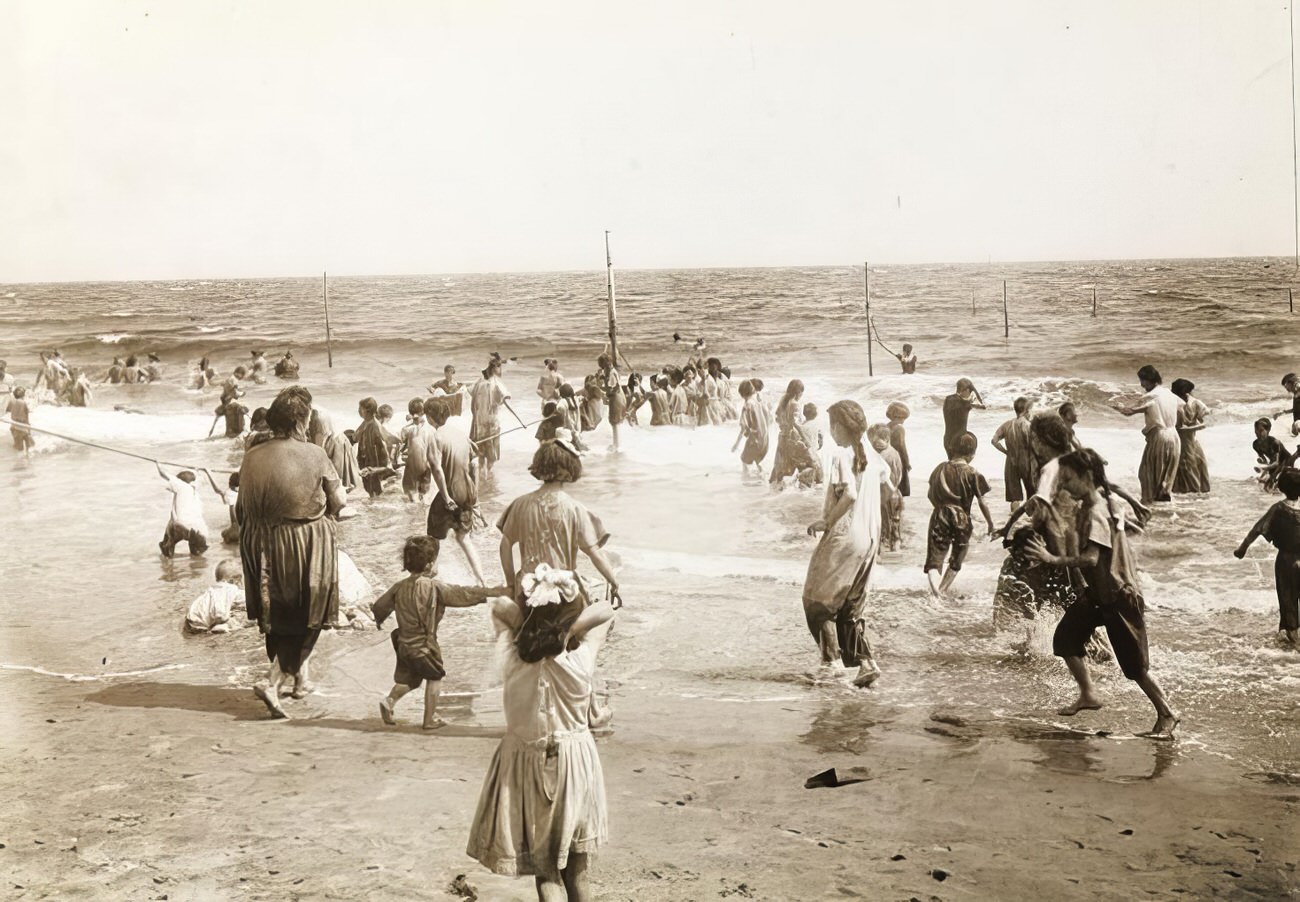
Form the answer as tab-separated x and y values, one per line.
1295	179
613	324
325	294
866	281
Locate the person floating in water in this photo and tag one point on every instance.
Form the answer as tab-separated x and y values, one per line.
1111	597
1280	525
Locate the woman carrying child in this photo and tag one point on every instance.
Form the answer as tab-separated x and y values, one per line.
1110	593
835	590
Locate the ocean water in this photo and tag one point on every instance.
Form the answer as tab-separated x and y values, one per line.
711	564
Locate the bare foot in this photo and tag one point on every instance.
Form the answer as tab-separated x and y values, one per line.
302	690
436	723
263	691
1082	703
386	711
1164	728
867	674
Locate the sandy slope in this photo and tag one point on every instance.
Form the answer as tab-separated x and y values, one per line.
169	789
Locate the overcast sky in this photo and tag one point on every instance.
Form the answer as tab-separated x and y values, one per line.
185	139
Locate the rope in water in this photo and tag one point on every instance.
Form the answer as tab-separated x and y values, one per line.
82	441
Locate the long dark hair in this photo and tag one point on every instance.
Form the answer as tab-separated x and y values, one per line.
792	391
1088	462
850	415
545	630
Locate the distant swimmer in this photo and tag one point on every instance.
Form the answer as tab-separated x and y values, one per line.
447	385
956	412
80	392
286	367
548	386
907	359
131	371
114	373
6	380
1159	464
203	375
153	369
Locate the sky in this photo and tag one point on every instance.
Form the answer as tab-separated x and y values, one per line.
188	139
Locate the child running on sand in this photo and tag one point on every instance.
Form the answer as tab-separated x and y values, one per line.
891	502
186	523
954	486
18	411
753	429
419	601
1272	455
1280	525
1111	597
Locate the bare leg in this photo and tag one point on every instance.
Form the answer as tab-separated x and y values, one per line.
1166	717
302	684
949	577
932	577
1087	700
386	706
1293	636
462	539
575	878
550	888
269	691
432	689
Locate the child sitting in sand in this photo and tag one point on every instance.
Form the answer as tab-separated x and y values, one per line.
17	410
954	487
891	501
217	609
419	601
186	523
1280	525
1272	455
229	497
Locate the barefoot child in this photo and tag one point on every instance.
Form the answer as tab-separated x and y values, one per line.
1280	525
17	410
186	523
891	502
1012	439
1110	595
229	497
416	436
419	602
954	486
1272	455
372	448
753	429
216	610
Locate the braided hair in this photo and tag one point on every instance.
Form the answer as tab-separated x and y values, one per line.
853	420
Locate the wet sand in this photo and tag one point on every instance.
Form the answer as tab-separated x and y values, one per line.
202	797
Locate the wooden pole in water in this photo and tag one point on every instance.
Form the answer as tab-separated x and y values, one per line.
1295	179
972	302
866	275
613	320
1094	302
1006	323
325	294
1290	299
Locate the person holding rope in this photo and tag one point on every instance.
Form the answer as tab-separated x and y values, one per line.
487	397
907	359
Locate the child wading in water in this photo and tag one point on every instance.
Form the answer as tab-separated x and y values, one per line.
891	502
229	497
1272	455
186	523
954	486
420	601
17	410
1111	597
542	810
753	429
1281	526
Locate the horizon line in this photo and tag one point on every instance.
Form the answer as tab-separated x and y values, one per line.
522	272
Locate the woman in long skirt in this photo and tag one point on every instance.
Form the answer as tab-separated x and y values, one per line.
341	452
789	442
1193	475
835	590
1159	408
289	495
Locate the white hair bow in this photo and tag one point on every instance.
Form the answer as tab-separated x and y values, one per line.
546	585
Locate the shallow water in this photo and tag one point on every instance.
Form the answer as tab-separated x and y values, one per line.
712	564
